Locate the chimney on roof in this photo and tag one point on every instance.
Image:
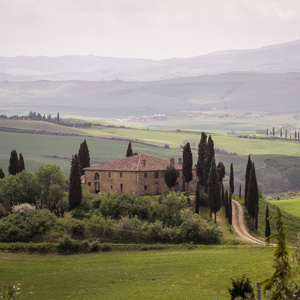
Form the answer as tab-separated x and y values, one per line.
144	162
172	162
180	161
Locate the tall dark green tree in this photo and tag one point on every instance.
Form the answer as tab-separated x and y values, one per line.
75	192
187	165
201	159
221	171
247	178
273	131
240	192
129	150
83	156
281	132
209	155
230	210
222	196
231	179
2	175
197	198
226	204
21	163
267	228
253	195
57	118
214	190
267	132
183	184
170	176
13	167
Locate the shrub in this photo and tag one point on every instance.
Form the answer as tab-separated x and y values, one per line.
241	289
67	245
97	226
23	227
22	207
95	247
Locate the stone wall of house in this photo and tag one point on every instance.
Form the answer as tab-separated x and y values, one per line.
141	183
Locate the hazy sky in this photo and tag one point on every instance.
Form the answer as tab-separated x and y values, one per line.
155	29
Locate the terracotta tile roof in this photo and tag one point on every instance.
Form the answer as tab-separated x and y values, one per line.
138	162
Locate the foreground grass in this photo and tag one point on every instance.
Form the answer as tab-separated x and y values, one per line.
203	273
291	206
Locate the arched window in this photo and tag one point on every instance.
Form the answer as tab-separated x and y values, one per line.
96	177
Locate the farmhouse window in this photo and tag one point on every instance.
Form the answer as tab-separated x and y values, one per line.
156	174
89	184
121	187
111	187
145	187
121	175
96	177
145	175
109	174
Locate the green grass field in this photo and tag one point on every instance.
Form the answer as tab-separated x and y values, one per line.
203	273
291	206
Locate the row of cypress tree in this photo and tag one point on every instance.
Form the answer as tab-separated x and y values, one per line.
16	164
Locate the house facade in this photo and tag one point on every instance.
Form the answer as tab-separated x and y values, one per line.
138	174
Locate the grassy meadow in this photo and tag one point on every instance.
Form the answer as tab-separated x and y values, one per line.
291	206
174	273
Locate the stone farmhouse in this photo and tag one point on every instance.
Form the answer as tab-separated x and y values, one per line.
138	174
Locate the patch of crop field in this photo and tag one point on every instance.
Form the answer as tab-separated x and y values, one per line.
201	273
291	206
40	149
38	125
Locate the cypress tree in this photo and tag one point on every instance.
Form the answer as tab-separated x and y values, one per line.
75	192
57	118
201	159
267	132
231	179
214	190
187	165
183	184
256	217
230	210
221	171
129	150
197	198
2	175
252	196
267	228
273	131
21	163
247	178
295	134
209	155
170	176
281	132
240	192
13	167
222	195
286	133
226	204
83	157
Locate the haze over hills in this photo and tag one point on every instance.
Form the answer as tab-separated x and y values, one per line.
281	58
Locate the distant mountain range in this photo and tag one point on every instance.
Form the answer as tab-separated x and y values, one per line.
281	58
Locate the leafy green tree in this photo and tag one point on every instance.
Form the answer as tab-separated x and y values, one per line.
201	159
247	178
13	167
19	188
47	176
2	175
253	195
209	155
187	165
231	179
214	189
280	285
197	198
21	163
242	289
129	150
170	176
83	156
75	192
267	228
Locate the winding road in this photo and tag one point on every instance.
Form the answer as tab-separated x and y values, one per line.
239	225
